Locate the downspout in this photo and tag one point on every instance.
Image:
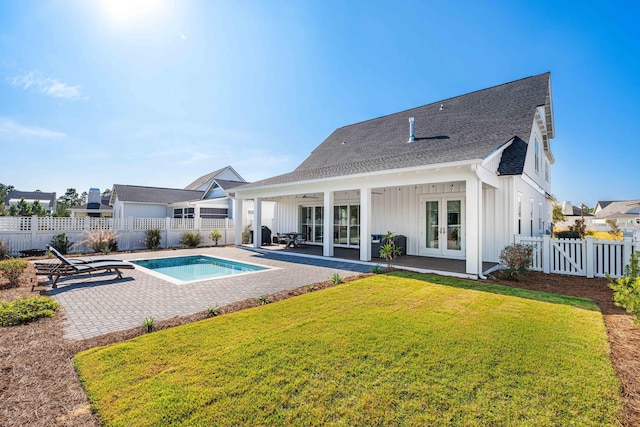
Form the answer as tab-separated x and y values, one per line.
474	168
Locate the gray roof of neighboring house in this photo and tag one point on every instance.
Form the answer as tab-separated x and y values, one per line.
227	185
32	195
206	178
577	211
467	127
140	194
618	208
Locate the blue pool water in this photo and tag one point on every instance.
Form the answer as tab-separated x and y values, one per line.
197	267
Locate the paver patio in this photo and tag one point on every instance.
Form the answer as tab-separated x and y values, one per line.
99	304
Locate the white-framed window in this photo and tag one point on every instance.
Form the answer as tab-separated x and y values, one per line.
214	213
184	213
346	225
531	216
546	171
519	213
540	224
536	147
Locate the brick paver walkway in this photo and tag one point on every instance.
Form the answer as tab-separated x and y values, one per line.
98	304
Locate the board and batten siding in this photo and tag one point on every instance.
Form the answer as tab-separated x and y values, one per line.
395	209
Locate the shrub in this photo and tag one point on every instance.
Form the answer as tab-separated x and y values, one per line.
335	279
152	238
263	300
310	288
567	234
579	227
516	259
26	310
61	243
214	311
190	239
215	236
12	269
376	270
246	234
626	289
102	241
4	250
148	323
389	250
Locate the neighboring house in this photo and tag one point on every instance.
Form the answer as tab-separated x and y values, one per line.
572	213
96	206
625	212
458	177
47	200
206	197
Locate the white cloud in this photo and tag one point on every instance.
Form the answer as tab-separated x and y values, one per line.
183	37
10	128
46	86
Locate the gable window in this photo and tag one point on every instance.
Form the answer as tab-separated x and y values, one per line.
537	155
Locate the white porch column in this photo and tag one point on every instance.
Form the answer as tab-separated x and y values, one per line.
237	220
365	224
473	224
257	222
327	244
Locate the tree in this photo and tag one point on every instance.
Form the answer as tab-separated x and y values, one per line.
106	193
38	209
613	223
557	215
22	208
69	200
4	190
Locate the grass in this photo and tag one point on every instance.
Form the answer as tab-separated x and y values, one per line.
400	349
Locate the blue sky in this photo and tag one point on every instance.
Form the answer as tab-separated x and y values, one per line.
95	93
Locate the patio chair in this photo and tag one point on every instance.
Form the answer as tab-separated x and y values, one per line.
57	270
72	261
279	239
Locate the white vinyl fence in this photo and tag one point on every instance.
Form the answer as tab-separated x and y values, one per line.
24	233
580	257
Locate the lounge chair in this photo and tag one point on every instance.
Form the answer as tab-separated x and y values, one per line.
74	266
57	270
84	260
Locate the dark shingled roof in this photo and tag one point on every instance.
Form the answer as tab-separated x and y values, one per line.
468	127
513	157
33	195
227	185
140	194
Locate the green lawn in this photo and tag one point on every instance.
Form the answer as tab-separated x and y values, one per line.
387	350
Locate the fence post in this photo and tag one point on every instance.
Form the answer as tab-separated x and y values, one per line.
627	250
588	256
34	230
226	230
129	223
546	254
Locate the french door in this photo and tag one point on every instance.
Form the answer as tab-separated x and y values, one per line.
442	231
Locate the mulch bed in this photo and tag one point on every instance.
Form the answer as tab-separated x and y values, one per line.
39	385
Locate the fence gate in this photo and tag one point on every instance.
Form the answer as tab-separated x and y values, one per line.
568	256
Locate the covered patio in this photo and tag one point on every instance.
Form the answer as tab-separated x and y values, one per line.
423	264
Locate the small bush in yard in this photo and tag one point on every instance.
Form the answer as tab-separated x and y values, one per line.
25	310
102	241
4	250
12	269
61	243
626	289
516	259
215	236
152	238
148	324
190	239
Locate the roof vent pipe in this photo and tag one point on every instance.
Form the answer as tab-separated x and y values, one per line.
412	136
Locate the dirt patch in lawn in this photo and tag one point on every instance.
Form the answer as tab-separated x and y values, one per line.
39	385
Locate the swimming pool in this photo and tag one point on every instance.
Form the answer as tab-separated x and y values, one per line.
196	267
